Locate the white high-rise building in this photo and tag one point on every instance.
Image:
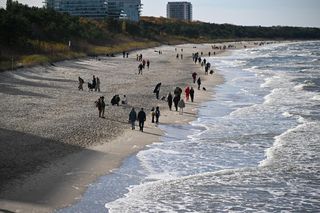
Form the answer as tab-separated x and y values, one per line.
179	10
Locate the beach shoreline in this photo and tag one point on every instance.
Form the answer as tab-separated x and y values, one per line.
65	179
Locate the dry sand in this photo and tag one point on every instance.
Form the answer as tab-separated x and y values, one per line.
52	143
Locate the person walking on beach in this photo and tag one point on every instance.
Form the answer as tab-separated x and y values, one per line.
176	100
187	92
97	87
140	67
133	118
143	63
101	106
148	64
157	90
153	114
157	114
170	98
181	105
194	77
81	82
141	118
192	94
94	82
199	83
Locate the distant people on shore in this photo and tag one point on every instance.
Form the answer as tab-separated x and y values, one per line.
157	90
141	118
81	82
187	93
194	77
140	67
192	94
177	96
157	113
170	99
148	64
208	66
100	104
124	100
181	106
97	87
133	118
153	114
92	86
199	83
115	100
176	100
143	63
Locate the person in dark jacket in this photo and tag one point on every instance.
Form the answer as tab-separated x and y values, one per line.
115	100
148	64
194	77
101	106
81	82
153	114
192	94
157	114
133	118
157	90
199	83
94	82
176	100
140	67
170	98
141	118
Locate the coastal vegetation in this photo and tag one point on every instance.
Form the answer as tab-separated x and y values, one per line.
31	35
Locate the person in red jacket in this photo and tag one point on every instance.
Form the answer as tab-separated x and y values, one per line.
187	92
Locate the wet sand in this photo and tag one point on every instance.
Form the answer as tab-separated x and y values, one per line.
52	142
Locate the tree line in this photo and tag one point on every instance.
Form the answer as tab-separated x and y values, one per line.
20	24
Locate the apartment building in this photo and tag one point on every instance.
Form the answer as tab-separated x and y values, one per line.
99	9
179	10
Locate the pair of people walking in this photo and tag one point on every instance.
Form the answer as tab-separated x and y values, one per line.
189	93
155	114
141	117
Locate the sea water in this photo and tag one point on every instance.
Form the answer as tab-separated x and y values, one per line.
254	148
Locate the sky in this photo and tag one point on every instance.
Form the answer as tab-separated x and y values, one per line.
304	13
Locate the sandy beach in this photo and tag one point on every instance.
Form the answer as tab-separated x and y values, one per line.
52	142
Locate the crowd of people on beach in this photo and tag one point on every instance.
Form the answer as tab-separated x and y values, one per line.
175	99
143	63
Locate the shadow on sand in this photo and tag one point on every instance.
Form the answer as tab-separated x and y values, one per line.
22	155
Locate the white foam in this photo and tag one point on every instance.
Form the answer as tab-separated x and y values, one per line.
287	114
278	143
316	98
